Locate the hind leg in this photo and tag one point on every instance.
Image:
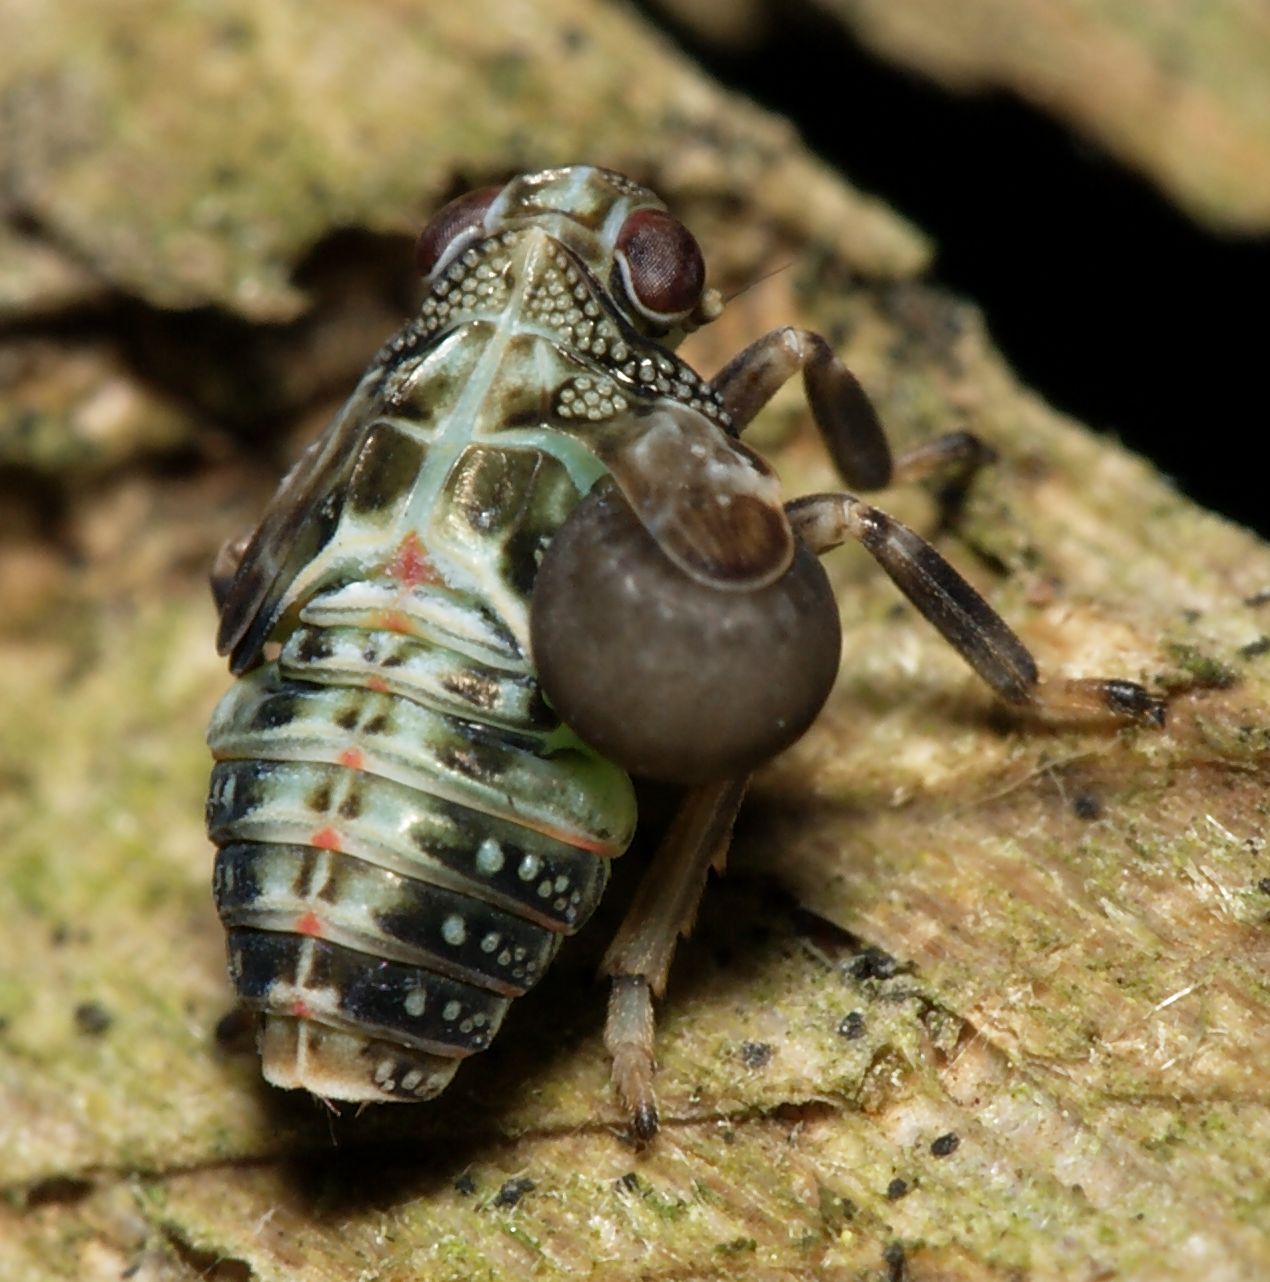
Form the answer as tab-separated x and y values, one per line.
664	908
965	620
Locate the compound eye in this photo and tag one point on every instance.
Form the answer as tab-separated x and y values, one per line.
671	678
661	265
459	218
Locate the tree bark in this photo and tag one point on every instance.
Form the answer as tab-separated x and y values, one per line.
978	998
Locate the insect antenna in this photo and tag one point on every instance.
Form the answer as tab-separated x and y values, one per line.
756	282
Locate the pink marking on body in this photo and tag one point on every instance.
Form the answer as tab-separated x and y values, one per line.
300	1009
377	684
308	924
326	839
352	758
410	564
391	621
579	841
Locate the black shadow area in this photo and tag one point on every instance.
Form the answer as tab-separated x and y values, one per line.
1103	297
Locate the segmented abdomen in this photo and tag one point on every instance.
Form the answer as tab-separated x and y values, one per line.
405	835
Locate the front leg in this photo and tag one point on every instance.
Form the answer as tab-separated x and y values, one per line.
846	417
664	908
963	617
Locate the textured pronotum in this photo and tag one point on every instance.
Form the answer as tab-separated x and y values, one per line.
406	830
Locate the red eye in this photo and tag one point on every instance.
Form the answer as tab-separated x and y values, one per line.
453	220
661	264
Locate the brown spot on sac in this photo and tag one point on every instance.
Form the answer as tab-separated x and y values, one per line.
721	520
308	924
351	806
326	839
728	542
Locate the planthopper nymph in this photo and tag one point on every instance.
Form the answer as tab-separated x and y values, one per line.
531	558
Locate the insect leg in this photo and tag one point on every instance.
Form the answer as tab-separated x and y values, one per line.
638	960
955	455
964	618
845	415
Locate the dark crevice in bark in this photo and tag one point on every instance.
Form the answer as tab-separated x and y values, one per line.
1103	296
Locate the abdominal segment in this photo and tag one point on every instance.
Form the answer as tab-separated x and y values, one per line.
392	875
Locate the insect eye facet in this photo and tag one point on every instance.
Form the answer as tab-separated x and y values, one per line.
660	264
460	216
666	676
